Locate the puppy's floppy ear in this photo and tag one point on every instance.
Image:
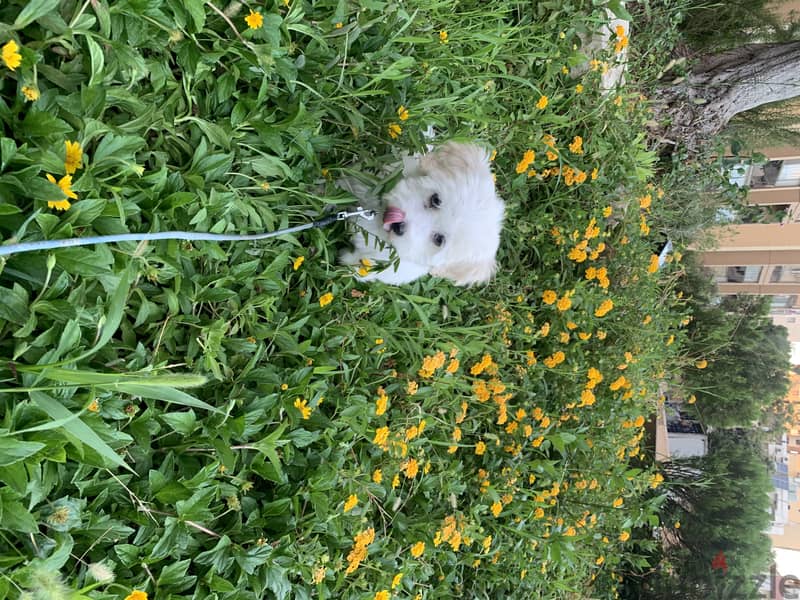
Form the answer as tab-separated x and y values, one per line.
455	156
466	273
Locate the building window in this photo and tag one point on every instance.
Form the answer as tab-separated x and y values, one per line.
785	274
766	174
739	274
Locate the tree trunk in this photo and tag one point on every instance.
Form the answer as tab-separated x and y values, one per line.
721	86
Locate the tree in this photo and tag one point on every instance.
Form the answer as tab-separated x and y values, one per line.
721	502
724	84
746	357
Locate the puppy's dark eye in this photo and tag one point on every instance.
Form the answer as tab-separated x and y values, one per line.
438	239
434	201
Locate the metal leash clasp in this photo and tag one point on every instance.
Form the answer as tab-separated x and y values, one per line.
364	213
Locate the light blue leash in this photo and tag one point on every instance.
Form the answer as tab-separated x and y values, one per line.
180	235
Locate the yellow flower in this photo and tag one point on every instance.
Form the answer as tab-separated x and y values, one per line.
74	155
576	147
65	183
618	383
302	406
377	476
701	364
94	406
396	580
564	303
381	404
692	399
381	437
443	37
395	481
545	329
325	299
30	93
549	296
410	468
453	365
351	503
394	130
497	508
11	56
542	103
653	266
417	549
402	113
527	160
480	448
579	88
254	20
600	560
298	262
624	536
136	595
556	359
677	524
617	503
604	308
319	575
412	388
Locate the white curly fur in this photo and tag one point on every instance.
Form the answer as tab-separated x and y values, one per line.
450	225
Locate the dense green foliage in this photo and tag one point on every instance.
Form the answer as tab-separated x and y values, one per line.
249	421
716	513
740	376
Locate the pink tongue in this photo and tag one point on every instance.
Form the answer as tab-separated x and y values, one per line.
392	215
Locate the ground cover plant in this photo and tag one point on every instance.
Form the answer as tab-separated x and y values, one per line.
199	420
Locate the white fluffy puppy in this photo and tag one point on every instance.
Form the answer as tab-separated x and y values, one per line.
443	217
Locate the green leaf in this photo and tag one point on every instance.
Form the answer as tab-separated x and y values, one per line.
14	307
181	422
97	61
196	9
76	427
9	209
114	313
8	150
33	10
82	261
41	124
174	575
12	451
268	445
13	514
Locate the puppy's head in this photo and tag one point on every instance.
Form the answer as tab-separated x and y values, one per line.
447	216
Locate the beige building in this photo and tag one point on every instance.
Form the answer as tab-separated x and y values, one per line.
785	531
762	255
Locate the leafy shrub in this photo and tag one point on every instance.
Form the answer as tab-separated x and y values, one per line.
247	420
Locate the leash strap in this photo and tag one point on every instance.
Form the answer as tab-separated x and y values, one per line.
180	235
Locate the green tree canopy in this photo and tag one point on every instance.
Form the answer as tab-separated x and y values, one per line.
742	357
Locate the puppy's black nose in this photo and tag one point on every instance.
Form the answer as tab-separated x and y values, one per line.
398	228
